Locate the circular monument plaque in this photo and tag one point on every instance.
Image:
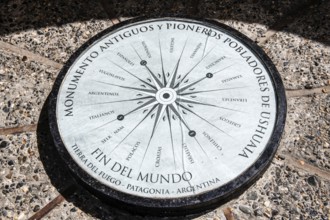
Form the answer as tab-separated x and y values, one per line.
167	116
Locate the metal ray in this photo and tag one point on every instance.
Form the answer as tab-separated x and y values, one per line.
160	111
152	86
170	126
204	119
135	110
190	85
173	107
156	81
184	77
187	100
145	105
151	110
146	91
207	39
172	78
212	90
183	120
161	59
126	100
182	155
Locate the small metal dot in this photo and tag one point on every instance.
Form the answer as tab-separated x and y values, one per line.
120	117
192	133
209	75
166	95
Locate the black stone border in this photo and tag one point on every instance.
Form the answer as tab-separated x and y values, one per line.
186	205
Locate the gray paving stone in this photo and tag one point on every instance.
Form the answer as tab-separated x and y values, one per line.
82	205
24	87
284	193
303	62
314	24
53	29
307	132
24	185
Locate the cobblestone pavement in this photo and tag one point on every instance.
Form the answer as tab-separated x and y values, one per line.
37	37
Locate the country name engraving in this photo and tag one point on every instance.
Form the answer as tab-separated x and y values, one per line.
112	75
125	59
69	98
146	49
158	156
212	141
198	47
133	149
234	99
215	62
230	122
100	115
103	93
172	45
231	78
188	154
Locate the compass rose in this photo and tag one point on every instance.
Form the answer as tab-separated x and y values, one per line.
168	97
150	103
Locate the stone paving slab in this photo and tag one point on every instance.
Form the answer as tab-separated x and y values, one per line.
303	62
24	87
62	26
307	132
284	193
24	184
69	209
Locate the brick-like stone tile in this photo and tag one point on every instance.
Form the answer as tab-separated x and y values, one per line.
24	87
307	132
284	193
24	184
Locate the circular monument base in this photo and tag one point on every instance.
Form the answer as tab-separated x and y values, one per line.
167	116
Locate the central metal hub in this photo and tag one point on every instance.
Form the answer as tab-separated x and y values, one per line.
166	96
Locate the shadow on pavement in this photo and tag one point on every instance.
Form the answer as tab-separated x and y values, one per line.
313	22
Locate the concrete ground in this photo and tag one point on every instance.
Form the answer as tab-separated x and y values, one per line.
37	37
